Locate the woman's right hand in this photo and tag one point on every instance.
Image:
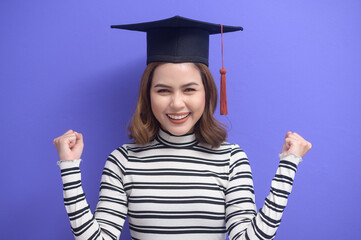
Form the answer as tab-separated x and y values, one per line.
70	145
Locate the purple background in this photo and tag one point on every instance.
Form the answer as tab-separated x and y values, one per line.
296	66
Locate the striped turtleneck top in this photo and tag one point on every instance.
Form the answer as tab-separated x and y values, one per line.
177	188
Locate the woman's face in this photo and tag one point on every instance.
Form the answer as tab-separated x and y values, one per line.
177	96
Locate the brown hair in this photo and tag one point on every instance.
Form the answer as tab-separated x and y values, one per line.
144	126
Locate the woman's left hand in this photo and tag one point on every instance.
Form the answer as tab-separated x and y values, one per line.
296	144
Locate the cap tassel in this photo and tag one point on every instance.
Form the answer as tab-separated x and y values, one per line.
223	71
224	109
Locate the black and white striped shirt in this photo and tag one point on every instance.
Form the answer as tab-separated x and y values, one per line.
177	188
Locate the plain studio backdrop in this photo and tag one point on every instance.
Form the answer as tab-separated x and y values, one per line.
296	66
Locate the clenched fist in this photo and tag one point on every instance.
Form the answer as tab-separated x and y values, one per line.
69	145
296	144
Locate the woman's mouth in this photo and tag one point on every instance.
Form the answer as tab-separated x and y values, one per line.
178	118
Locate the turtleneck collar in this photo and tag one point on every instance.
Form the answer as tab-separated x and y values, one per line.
176	141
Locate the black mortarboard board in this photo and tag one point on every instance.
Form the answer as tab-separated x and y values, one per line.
178	39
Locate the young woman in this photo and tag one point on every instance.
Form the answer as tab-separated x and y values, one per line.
179	179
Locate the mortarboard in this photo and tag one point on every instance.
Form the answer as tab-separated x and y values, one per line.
180	39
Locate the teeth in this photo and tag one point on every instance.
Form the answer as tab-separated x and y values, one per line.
177	117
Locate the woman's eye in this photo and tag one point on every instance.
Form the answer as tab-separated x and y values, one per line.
189	90
162	91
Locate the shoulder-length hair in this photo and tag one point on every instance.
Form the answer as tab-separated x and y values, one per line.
144	126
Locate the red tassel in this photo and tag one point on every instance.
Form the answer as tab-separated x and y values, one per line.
224	108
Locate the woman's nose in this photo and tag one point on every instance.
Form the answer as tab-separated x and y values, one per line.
177	101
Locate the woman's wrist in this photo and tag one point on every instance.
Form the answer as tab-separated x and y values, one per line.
69	162
290	157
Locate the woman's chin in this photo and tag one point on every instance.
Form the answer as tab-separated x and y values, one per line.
178	131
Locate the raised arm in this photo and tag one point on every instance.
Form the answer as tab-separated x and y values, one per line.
243	221
111	210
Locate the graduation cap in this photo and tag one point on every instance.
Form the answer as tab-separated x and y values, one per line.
180	39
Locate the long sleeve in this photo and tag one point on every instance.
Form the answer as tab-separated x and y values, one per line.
111	210
242	219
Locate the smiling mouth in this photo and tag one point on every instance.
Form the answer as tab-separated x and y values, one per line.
178	117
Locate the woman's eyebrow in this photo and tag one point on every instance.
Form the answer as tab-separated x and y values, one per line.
162	85
189	84
183	86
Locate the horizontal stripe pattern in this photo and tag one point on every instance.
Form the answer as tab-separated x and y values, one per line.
177	188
